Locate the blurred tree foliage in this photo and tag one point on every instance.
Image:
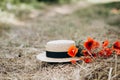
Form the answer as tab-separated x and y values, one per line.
22	7
56	1
31	1
35	3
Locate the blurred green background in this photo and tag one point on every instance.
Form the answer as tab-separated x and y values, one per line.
35	3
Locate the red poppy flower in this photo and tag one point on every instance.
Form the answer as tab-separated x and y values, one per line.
101	53
96	44
94	55
116	47
105	43
88	60
72	51
91	44
85	52
108	52
73	61
105	52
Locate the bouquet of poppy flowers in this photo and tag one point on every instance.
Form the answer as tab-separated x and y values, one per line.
92	49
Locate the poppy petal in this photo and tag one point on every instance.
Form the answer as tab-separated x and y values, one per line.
72	51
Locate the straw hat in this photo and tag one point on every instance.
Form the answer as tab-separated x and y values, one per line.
56	51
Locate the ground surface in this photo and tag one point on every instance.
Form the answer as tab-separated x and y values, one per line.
20	43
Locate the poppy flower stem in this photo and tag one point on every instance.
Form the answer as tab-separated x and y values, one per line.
110	72
90	54
115	64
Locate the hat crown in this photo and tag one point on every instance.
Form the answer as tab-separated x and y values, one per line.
59	45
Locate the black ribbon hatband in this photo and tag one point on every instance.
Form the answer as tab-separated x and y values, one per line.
59	54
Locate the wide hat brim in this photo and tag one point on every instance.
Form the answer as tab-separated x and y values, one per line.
42	57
